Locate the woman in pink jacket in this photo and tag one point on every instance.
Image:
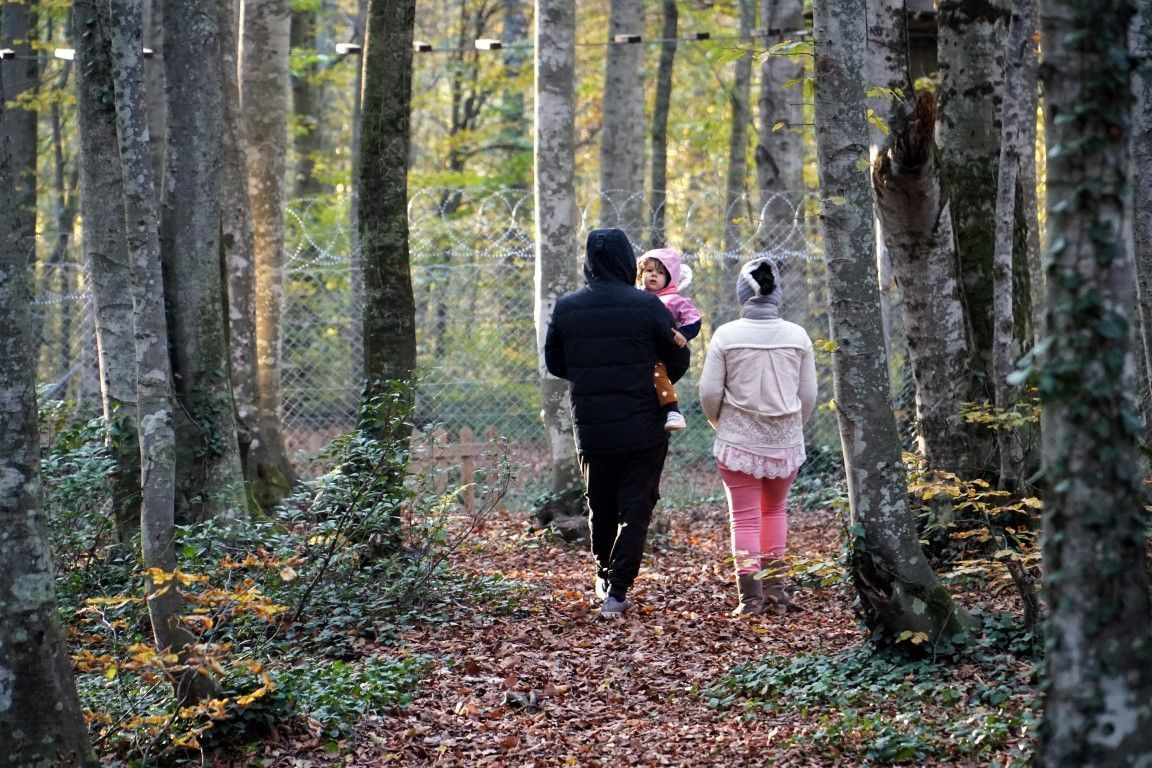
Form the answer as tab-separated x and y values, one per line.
757	390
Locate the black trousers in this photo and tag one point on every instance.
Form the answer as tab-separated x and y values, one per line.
622	491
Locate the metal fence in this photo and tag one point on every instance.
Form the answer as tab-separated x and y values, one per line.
472	270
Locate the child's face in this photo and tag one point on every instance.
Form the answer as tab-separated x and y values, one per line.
654	276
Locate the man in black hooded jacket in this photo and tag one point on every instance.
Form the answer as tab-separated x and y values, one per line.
605	339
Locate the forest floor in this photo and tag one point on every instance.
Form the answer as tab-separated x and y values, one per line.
548	682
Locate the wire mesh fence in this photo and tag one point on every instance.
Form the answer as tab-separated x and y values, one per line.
473	259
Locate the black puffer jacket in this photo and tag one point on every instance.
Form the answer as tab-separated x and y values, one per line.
605	339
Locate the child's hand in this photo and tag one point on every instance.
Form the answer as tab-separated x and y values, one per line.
679	338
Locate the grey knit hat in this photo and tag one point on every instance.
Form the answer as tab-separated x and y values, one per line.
747	289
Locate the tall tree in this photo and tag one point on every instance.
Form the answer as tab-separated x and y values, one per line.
209	478
1017	139
970	61
740	116
622	126
389	306
153	26
779	140
513	126
264	90
40	713
1141	43
916	239
556	226
106	255
1099	661
237	242
662	102
152	365
889	567
21	79
307	108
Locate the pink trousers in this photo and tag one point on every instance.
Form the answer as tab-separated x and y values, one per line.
758	517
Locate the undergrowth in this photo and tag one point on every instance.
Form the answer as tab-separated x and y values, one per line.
878	707
296	622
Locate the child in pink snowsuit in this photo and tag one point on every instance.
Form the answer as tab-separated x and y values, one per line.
659	271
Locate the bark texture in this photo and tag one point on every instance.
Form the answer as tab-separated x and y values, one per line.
1017	139
622	126
106	255
556	222
740	116
779	145
209	479
40	714
18	123
661	104
152	365
264	91
971	67
1099	660
889	568
917	228
1141	39
238	247
389	306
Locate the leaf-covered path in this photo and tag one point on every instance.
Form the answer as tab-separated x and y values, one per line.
606	692
542	680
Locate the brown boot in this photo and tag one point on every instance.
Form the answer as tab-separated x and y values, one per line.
751	593
777	600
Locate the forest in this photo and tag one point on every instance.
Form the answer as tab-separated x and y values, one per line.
285	481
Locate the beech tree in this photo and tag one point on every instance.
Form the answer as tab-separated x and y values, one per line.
889	568
1099	662
264	90
153	374
740	116
1141	42
662	103
1017	139
106	255
40	714
556	232
622	126
389	306
209	478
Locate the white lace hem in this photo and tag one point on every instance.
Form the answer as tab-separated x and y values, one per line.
784	463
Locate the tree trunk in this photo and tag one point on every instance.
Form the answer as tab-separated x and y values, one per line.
238	248
658	189
889	568
1099	662
1141	38
740	115
971	67
209	478
1016	140
389	306
40	713
153	32
779	154
306	106
106	256
152	364
513	126
918	235
556	228
622	126
264	91
21	78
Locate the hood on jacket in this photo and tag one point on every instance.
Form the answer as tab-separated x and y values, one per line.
670	258
609	257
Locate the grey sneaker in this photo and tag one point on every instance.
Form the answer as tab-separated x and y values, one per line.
674	421
601	588
613	608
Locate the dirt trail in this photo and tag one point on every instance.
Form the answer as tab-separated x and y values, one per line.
606	692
